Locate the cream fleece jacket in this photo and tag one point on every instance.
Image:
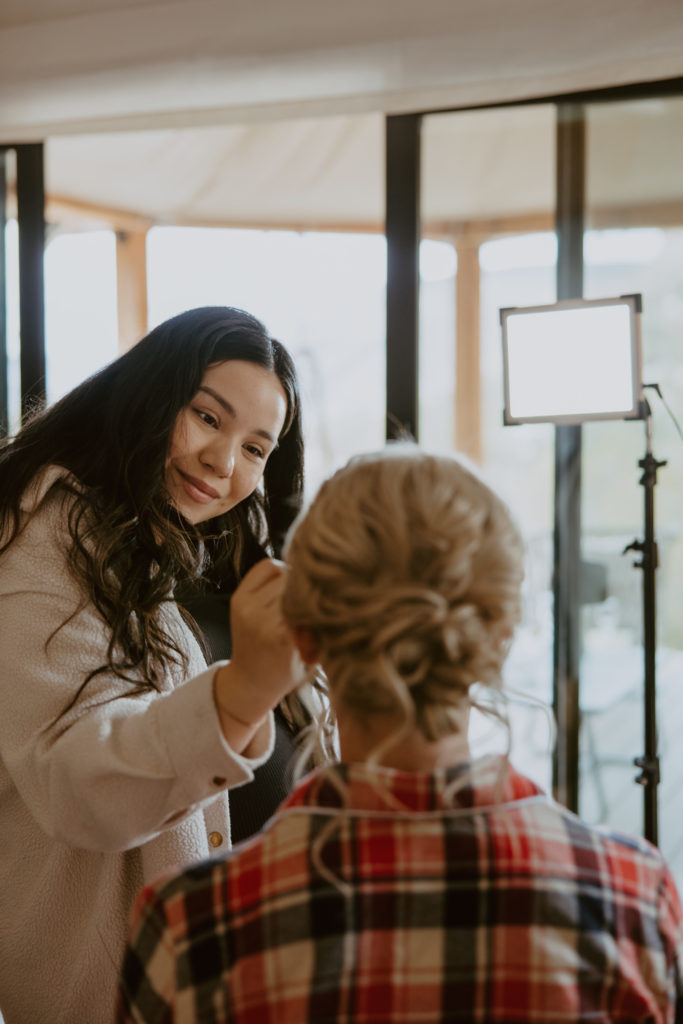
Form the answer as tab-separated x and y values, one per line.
96	801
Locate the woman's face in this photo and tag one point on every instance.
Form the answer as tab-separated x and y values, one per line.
221	441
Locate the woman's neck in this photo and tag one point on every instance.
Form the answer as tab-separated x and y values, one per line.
412	752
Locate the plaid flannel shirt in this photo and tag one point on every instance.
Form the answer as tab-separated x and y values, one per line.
487	903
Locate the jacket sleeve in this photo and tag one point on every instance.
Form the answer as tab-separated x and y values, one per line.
116	768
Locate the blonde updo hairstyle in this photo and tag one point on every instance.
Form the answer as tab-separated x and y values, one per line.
407	568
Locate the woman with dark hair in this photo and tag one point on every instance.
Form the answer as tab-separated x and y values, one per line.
180	462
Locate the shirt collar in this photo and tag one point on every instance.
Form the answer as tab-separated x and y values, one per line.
481	783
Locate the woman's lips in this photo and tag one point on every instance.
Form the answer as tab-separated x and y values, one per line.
197	489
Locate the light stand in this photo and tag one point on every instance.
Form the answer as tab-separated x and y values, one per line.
546	350
649	762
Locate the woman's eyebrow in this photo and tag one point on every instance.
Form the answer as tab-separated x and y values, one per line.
219	398
225	404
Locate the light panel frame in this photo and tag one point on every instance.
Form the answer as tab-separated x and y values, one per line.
589	368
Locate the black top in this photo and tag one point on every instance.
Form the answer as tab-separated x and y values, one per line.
254	803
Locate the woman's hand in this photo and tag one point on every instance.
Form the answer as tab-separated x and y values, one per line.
265	665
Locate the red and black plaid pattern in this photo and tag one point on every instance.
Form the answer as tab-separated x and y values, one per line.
489	904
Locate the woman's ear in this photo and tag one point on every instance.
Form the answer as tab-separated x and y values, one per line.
306	644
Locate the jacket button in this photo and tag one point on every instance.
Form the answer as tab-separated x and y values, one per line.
215	838
218	781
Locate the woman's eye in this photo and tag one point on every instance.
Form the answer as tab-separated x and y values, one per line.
253	449
207	418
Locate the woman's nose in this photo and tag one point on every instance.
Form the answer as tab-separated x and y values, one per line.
221	459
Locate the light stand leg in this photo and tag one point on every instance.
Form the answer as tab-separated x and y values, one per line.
649	763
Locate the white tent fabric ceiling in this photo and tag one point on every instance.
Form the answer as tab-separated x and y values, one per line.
77	65
328	173
264	112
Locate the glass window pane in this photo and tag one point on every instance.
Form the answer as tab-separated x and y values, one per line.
80	308
634	244
488	182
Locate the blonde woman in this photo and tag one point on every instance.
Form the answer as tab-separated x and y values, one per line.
407	882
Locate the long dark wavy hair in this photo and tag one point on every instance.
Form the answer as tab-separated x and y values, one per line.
112	432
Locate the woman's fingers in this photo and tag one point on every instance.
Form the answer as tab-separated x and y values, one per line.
262	586
265	662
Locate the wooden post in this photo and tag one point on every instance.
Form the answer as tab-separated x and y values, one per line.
467	354
131	286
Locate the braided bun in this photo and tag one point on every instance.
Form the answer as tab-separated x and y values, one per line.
407	568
